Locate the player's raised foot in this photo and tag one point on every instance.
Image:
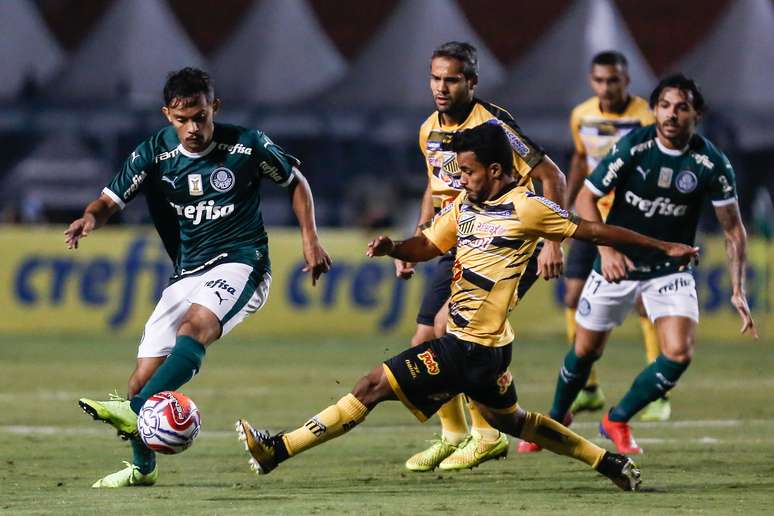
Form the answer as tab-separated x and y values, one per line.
659	410
429	459
116	412
621	435
130	476
262	447
588	400
474	450
621	470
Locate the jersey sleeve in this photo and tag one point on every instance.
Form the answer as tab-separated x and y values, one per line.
541	217
526	153
607	174
575	132
273	162
443	229
722	187
126	183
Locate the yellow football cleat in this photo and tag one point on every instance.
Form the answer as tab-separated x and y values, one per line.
473	451
429	459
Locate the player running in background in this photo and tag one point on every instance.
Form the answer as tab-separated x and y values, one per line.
596	125
210	175
495	226
661	175
453	79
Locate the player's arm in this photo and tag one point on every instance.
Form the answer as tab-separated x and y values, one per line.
607	235
736	251
416	249
579	169
317	260
94	217
550	262
404	269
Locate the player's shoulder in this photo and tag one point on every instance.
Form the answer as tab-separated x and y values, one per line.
160	145
639	108
589	107
528	202
706	153
489	110
637	141
430	123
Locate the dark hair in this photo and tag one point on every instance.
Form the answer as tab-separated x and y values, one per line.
682	83
463	52
187	84
610	58
488	142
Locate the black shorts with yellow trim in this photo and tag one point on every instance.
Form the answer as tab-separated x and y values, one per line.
425	377
580	260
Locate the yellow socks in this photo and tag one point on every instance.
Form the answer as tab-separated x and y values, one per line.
480	424
559	439
331	422
452	416
652	347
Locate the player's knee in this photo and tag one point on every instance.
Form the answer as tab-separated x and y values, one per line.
681	355
372	388
423	334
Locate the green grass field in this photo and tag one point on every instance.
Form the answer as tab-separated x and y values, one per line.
716	456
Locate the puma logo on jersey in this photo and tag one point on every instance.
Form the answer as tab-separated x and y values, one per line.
660	205
643	173
220	298
204	210
169	180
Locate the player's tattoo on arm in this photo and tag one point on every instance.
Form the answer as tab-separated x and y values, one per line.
736	243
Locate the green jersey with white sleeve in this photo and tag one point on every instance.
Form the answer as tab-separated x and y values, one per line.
659	192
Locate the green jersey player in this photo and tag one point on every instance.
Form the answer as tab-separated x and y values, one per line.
203	180
661	175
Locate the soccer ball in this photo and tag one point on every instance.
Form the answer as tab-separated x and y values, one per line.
168	422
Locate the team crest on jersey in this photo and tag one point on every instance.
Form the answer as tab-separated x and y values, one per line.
195	184
450	164
465	224
222	179
686	181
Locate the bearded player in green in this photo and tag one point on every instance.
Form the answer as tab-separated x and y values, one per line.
661	175
202	181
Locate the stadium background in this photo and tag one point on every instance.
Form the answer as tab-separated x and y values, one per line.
345	90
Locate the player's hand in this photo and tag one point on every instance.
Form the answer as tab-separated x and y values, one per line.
739	300
380	246
550	262
685	254
316	260
615	265
80	228
404	270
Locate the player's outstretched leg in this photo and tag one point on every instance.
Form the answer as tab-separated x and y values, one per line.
549	434
267	451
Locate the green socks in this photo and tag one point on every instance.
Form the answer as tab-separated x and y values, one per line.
572	378
652	383
142	456
179	367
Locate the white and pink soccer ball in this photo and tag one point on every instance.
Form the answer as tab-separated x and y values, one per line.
168	422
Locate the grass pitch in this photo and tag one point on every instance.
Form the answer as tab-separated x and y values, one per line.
715	456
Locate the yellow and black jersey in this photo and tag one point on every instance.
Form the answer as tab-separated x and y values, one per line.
494	241
442	168
594	132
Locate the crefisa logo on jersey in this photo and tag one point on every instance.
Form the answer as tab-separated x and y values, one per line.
686	181
222	179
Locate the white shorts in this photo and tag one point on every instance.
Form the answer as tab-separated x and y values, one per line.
232	291
604	305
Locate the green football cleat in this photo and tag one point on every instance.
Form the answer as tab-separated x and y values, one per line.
116	412
659	410
130	476
589	401
429	459
473	451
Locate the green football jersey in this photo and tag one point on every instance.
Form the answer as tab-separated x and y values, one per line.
215	194
659	192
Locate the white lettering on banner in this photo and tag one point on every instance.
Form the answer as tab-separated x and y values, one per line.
660	205
204	210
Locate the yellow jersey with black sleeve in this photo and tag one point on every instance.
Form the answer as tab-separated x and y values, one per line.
494	241
594	132
442	168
